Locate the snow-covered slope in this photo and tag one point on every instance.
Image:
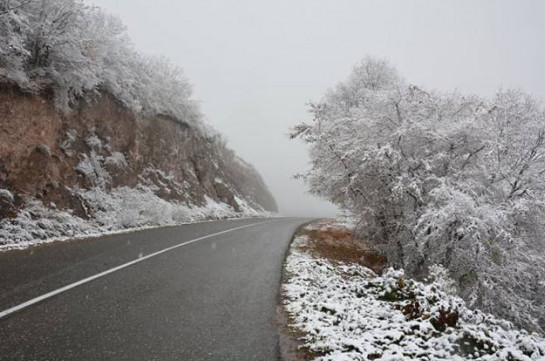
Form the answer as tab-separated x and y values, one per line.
347	312
123	209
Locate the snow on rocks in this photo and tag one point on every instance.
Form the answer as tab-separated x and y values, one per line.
116	159
347	312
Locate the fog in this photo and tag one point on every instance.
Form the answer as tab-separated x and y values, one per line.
256	64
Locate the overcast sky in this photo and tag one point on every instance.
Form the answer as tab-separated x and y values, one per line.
256	64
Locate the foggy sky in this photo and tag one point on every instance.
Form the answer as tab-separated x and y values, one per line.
256	64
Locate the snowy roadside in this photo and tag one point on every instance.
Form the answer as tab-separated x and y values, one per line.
121	211
342	310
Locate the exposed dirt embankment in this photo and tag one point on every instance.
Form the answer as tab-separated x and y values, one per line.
100	144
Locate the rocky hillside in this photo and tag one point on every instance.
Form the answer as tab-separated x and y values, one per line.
95	136
87	162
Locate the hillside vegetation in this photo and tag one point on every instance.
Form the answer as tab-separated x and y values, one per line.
439	178
71	49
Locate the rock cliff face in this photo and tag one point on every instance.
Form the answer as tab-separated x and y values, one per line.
102	146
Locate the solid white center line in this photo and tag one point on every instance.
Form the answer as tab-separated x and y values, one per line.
112	270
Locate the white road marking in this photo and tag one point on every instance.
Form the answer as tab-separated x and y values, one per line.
112	270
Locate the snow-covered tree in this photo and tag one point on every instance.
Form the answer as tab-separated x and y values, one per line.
75	50
13	52
439	178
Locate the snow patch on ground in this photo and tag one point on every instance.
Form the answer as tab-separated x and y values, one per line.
246	208
347	312
120	209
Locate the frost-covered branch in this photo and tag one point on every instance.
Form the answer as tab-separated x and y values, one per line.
441	178
75	50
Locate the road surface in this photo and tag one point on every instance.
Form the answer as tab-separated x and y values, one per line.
205	291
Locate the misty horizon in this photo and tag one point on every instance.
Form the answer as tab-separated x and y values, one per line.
255	66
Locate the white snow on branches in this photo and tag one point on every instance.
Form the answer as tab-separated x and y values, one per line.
435	178
75	49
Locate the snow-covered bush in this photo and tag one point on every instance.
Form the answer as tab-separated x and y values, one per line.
74	49
437	178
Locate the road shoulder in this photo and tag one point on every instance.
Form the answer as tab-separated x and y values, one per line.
340	303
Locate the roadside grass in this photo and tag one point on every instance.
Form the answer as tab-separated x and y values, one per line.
339	302
335	242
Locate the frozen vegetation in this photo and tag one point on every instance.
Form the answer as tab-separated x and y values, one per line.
439	178
347	312
117	210
74	50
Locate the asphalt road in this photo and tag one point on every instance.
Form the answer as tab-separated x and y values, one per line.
211	299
